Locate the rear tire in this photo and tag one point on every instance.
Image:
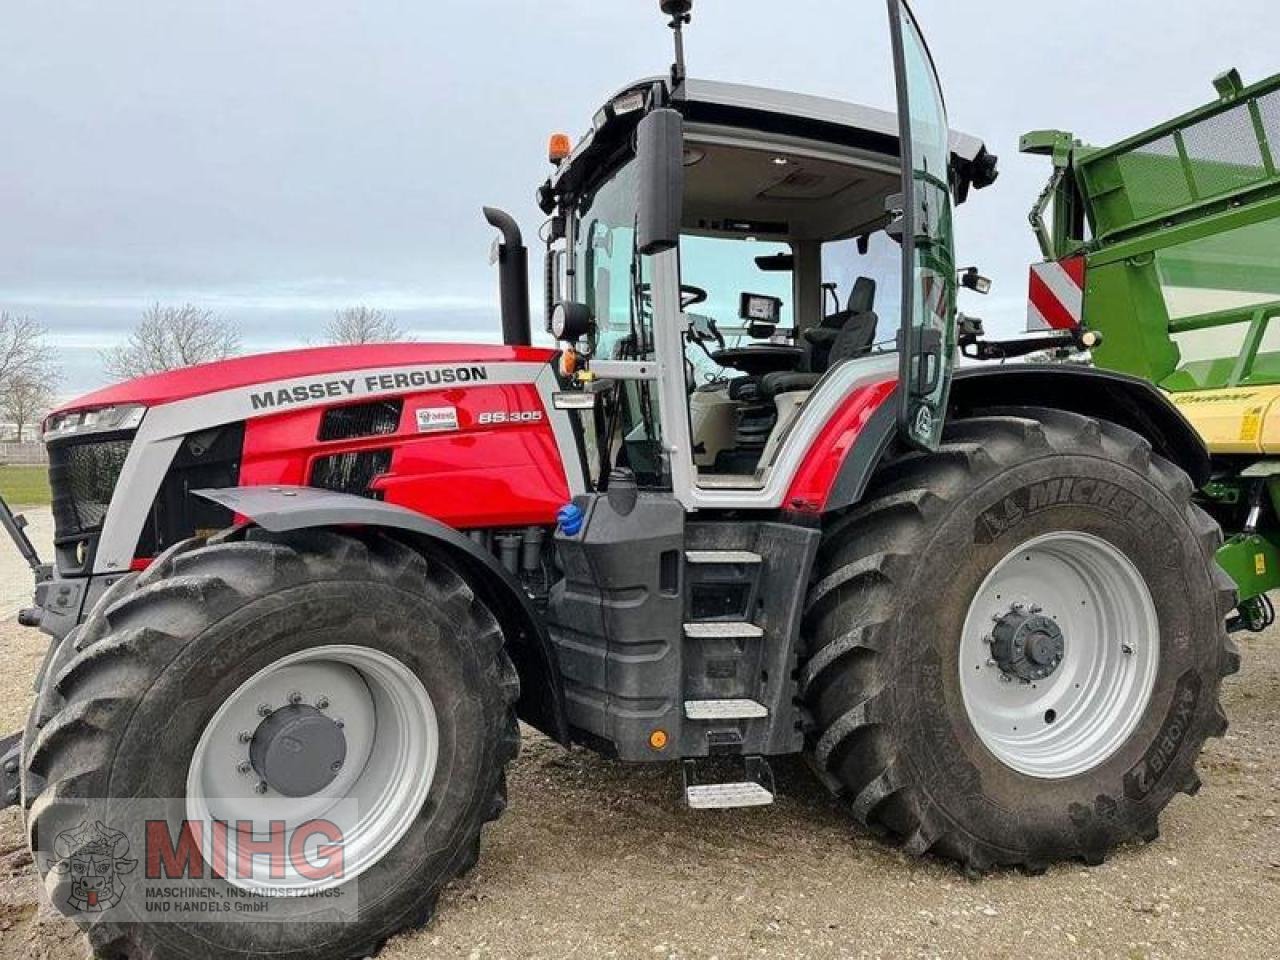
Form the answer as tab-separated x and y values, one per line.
123	715
899	576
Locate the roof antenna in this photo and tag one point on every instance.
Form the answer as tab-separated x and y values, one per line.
680	12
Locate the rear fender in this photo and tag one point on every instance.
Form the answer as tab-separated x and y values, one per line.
281	509
1103	395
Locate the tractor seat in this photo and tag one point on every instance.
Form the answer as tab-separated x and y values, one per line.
773	385
849	333
770	386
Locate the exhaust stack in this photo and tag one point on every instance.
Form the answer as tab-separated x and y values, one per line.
513	279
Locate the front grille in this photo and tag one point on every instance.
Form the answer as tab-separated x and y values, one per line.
82	477
361	420
351	472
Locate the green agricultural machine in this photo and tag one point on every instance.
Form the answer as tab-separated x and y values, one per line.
1165	250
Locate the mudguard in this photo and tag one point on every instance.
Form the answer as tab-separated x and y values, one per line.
1127	401
281	509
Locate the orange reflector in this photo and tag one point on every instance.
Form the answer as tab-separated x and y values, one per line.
658	739
568	363
559	148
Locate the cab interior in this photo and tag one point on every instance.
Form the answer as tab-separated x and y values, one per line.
786	273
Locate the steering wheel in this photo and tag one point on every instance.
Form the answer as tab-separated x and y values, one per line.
691	296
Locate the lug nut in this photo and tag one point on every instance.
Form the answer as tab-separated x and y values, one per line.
264	710
260	787
336	766
244	766
322	703
1127	649
245	736
338	722
295	698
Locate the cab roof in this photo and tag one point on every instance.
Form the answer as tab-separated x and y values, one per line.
781	112
803	110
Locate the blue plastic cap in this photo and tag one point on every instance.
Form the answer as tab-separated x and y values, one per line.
570	519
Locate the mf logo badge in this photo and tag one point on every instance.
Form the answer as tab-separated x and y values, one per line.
437	419
93	858
924	421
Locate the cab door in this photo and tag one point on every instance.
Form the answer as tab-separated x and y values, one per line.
927	338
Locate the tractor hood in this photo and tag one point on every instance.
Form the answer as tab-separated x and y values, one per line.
206	378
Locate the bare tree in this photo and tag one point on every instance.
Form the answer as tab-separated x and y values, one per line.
170	337
363	324
26	398
27	372
22	348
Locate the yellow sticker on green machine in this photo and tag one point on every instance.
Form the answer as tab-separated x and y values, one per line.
1260	564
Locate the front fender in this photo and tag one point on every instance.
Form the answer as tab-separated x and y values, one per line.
281	509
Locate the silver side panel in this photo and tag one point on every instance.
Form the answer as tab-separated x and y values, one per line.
563	430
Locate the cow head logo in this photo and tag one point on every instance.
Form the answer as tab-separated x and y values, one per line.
92	858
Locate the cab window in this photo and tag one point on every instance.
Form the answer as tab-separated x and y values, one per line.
724	269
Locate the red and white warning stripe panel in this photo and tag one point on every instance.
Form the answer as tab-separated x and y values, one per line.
1056	299
935	295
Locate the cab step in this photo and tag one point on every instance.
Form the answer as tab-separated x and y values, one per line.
724	710
754	791
740	558
723	630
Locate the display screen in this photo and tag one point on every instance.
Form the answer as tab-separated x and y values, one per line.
760	308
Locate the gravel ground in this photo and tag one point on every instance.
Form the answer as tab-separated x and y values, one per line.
15	577
595	859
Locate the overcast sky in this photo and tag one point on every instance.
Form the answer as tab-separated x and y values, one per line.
279	160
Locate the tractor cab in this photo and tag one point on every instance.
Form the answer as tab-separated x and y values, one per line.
729	265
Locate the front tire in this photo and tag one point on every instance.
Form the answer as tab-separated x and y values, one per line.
921	709
396	641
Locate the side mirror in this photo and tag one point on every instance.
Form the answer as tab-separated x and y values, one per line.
660	157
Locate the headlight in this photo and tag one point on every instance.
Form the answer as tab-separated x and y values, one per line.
104	420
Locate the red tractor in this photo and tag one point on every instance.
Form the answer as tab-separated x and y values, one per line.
746	510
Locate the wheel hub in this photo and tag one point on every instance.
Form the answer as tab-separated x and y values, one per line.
298	750
1027	645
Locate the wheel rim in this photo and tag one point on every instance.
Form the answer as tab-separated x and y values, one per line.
392	743
1061	718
